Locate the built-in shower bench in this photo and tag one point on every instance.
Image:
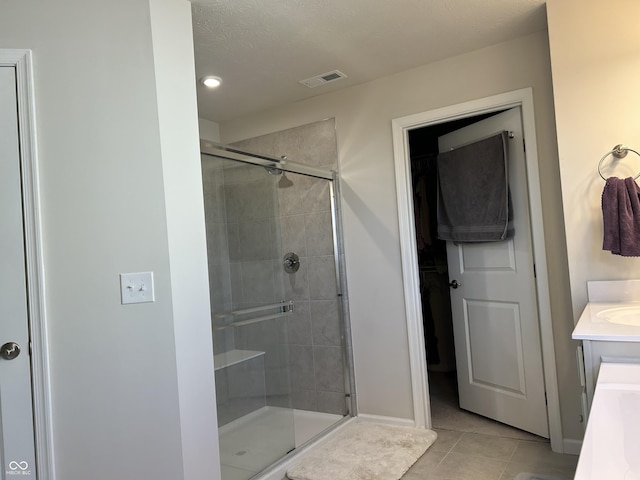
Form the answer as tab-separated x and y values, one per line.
240	374
240	383
233	357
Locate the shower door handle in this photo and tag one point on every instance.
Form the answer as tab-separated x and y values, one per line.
454	284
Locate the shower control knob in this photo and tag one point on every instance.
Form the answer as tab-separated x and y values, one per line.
291	262
454	284
9	350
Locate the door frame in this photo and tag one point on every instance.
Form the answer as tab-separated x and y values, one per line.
22	61
522	98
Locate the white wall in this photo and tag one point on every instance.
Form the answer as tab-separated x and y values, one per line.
595	57
179	140
116	391
363	120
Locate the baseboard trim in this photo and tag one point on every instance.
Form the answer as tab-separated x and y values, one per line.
571	446
403	422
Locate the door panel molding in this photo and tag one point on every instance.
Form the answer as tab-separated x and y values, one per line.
400	127
477	313
21	60
499	261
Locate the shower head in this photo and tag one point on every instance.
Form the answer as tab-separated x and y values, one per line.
273	170
284	182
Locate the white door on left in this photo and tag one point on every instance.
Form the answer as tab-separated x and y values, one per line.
17	447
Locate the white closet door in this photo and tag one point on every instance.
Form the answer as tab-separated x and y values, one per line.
495	315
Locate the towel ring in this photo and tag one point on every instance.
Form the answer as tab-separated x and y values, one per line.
619	151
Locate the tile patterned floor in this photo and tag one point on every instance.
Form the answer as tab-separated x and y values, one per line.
471	456
471	447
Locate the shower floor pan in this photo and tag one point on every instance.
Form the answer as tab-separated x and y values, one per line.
248	443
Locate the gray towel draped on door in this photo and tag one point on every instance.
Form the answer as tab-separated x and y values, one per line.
473	192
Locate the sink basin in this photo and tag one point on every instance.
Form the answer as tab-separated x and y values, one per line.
621	315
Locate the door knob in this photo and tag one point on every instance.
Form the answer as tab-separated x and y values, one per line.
454	284
9	350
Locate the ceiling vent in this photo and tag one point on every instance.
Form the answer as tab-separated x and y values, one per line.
323	79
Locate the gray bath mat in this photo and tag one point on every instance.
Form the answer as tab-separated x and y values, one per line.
365	451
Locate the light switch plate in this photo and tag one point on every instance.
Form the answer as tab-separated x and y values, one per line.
137	287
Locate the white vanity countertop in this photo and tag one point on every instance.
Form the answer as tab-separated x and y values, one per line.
611	446
592	327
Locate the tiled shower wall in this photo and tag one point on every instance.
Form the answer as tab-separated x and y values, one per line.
243	253
313	330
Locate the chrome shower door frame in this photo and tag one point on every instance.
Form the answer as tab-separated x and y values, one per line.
211	148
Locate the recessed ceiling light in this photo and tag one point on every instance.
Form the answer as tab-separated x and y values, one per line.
210	81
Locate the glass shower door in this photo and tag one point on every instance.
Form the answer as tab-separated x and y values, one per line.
249	316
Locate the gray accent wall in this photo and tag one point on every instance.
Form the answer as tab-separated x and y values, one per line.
243	244
250	227
314	331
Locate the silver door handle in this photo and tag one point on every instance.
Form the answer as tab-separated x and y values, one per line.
454	284
9	350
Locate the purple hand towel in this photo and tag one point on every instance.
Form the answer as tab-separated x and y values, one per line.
621	216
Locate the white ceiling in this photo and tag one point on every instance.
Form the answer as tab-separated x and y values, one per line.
262	48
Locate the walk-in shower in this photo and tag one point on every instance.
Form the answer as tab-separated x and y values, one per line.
279	323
